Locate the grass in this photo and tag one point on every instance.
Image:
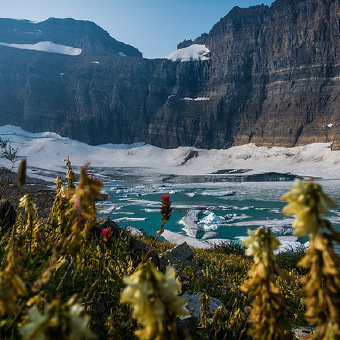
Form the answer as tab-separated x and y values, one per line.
57	266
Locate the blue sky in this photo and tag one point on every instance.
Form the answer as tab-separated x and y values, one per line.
155	27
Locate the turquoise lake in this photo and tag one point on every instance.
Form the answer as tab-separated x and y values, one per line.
135	201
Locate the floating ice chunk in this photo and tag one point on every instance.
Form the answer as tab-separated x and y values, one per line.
209	235
268	223
288	238
210	222
278	230
233	217
217	241
212	218
288	246
130	219
218	193
177	238
241	238
210	226
190	223
122	54
149	210
108	210
247	208
287	243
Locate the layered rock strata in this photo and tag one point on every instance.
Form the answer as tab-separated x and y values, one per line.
272	78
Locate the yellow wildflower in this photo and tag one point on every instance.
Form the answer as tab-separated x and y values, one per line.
268	314
70	176
307	202
154	299
11	286
27	203
82	198
58	321
261	245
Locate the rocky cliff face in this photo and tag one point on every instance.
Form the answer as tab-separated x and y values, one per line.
272	78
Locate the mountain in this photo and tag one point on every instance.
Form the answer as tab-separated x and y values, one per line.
76	33
264	75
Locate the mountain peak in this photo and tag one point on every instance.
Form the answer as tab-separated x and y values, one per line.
82	34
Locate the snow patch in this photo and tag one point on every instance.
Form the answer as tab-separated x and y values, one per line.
193	52
198	99
46	46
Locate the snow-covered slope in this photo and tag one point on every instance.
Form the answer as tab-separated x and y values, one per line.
46	46
193	52
48	150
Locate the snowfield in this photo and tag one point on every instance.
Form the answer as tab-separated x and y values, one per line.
47	150
46	46
193	52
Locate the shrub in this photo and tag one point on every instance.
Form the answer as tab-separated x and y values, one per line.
229	248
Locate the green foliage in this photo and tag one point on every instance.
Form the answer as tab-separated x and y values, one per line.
8	153
60	279
229	248
289	260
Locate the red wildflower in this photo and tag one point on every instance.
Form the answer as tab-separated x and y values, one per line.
106	236
166	208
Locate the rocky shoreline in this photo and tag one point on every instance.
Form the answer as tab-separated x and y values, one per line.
42	194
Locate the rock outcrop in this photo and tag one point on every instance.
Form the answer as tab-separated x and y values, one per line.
272	78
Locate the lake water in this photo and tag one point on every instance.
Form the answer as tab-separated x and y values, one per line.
134	200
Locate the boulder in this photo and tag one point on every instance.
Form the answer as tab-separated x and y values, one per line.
180	256
193	306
